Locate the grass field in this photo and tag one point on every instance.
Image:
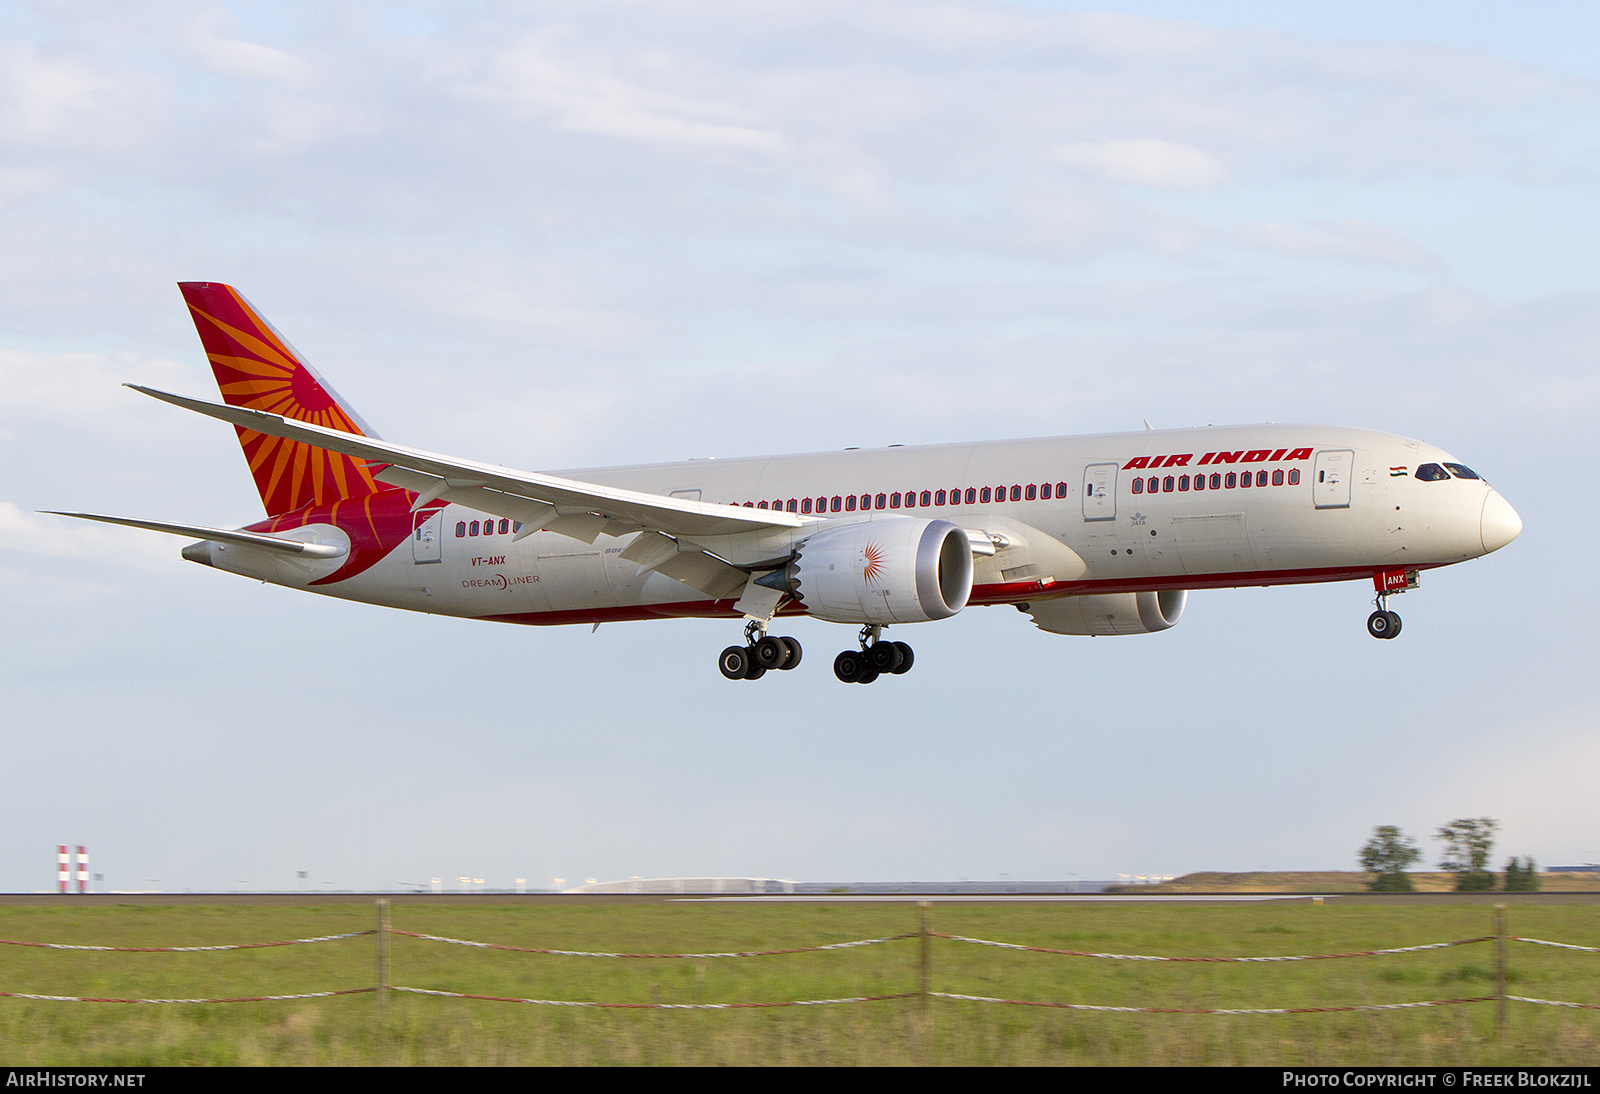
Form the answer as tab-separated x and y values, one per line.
413	1030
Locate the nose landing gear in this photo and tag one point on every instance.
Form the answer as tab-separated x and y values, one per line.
875	658
760	653
1383	623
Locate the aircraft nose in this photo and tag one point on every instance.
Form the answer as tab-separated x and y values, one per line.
1500	524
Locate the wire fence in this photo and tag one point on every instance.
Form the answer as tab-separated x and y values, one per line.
924	937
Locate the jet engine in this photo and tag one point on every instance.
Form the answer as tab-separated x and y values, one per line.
1110	613
896	570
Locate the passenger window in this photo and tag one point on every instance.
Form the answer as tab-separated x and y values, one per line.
983	495
1016	493
1031	494
938	497
850	504
472	529
834	505
761	505
461	528
1061	489
1166	485
1294	476
882	502
1277	478
1138	486
1246	479
894	501
971	495
1199	482
1261	478
805	505
790	505
1183	482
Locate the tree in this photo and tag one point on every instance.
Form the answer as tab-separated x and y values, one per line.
1523	877
1386	856
1467	846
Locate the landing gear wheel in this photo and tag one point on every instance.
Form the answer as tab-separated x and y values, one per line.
906	658
755	672
794	653
885	656
734	662
849	666
868	676
1383	624
770	653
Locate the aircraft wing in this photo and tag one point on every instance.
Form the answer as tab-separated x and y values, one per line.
578	509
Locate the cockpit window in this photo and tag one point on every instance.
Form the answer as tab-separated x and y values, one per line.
1431	472
1462	471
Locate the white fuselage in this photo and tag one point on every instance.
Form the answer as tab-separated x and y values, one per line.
1322	504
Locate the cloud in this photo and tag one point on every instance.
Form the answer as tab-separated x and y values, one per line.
1145	161
76	387
251	60
575	93
1354	241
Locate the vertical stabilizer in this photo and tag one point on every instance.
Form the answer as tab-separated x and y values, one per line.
257	368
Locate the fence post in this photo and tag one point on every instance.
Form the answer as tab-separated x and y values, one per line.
927	951
1499	966
383	953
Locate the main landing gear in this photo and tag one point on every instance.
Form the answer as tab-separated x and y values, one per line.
875	658
760	652
1383	623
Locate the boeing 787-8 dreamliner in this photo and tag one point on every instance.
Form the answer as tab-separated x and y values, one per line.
1092	535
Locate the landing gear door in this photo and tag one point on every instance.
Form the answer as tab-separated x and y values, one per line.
427	539
1330	478
1100	491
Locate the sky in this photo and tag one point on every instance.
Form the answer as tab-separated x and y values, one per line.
565	235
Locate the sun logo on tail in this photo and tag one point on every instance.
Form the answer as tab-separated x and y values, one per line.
874	567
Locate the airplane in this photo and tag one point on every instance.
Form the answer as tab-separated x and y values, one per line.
1088	535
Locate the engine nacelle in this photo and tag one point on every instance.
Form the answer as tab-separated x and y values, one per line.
896	570
1110	613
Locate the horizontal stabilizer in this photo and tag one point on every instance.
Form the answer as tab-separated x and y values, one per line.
221	535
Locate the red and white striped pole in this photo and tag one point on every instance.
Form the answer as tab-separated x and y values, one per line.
83	869
63	868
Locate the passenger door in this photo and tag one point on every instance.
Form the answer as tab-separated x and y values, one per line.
1330	478
1100	491
427	536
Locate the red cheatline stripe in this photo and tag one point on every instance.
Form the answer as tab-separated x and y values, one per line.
679	956
1211	1010
1148	957
241	999
186	949
658	1006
